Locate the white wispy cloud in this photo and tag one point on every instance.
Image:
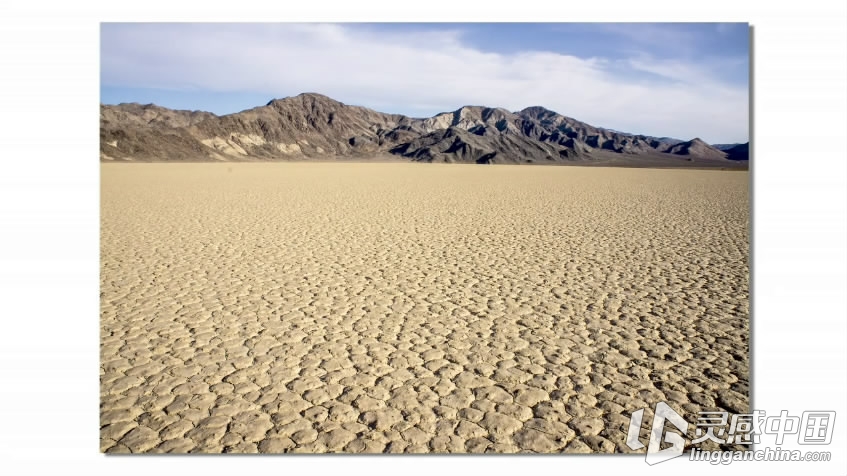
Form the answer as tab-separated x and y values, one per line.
425	71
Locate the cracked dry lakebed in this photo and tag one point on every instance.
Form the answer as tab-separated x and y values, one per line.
416	308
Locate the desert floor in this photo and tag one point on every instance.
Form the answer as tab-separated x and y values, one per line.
341	307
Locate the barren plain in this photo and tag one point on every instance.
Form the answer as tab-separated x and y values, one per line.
399	307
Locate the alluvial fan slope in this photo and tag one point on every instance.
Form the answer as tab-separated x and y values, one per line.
395	307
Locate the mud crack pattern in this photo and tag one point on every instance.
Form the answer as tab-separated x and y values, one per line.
415	308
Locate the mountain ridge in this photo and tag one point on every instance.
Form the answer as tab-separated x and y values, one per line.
314	126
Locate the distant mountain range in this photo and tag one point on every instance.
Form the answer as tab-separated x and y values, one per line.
313	126
724	146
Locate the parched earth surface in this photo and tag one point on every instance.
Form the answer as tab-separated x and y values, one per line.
340	307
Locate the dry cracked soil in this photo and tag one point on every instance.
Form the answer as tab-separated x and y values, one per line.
415	308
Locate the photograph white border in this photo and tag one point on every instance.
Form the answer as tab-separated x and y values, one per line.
49	206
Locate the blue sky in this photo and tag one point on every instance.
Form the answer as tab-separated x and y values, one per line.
680	80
